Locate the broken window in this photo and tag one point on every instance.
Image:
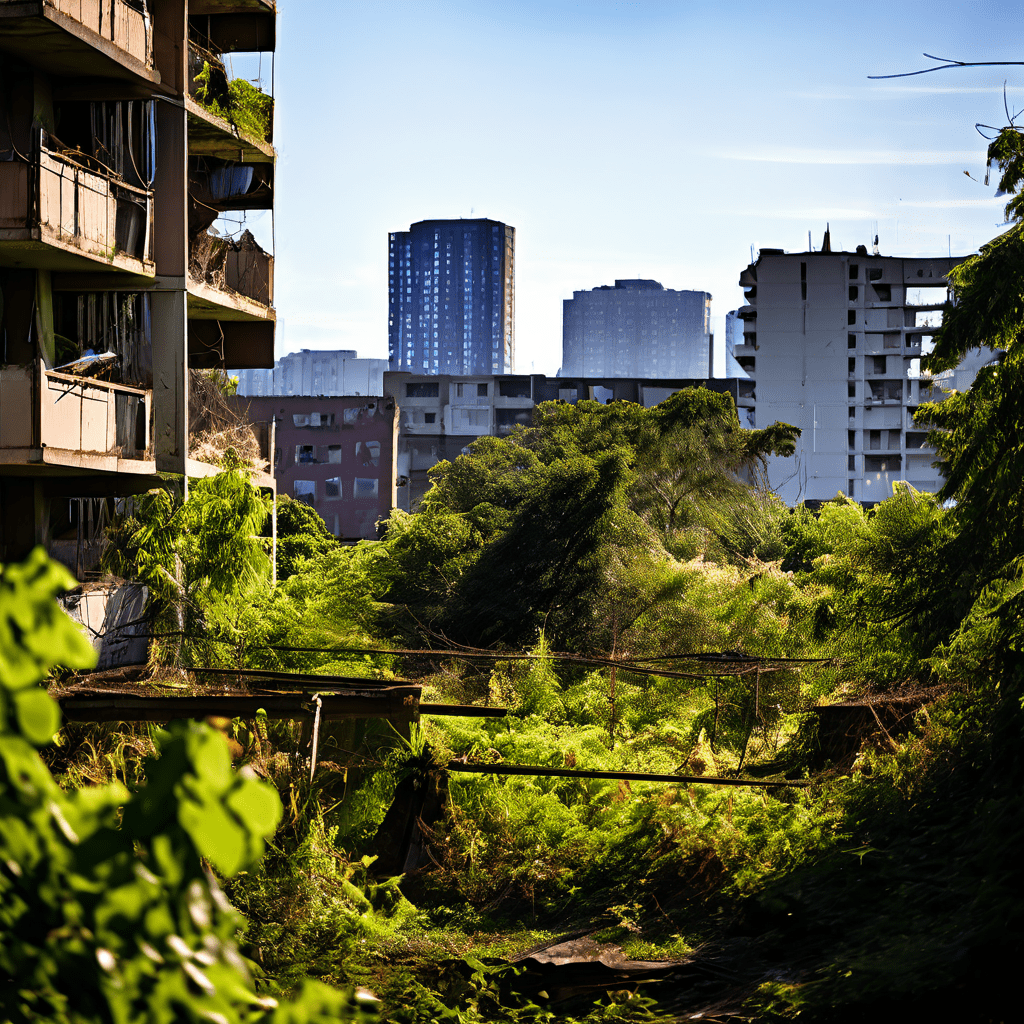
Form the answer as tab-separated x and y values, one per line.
332	487
368	453
305	491
305	454
364	487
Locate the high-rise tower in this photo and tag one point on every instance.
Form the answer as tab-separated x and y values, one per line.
451	297
636	329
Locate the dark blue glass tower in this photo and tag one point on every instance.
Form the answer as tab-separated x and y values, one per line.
451	297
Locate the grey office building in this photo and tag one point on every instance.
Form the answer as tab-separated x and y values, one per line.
636	329
451	297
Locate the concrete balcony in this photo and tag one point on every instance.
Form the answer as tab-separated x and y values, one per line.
230	303
89	38
79	423
64	212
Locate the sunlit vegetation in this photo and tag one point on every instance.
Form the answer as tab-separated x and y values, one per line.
622	550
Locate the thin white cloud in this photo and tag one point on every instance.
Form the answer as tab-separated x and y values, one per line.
797	155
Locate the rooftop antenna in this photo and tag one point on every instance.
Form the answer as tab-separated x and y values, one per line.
751	252
949	246
810	248
874	248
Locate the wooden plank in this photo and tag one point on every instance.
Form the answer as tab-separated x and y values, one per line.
573	773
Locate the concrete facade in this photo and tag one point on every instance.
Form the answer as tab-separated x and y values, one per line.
313	372
834	341
637	328
442	415
451	297
113	289
335	454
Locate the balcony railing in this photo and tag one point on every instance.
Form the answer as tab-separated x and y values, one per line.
122	23
243	267
70	201
76	414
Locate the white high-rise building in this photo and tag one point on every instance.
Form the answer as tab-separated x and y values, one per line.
834	341
310	372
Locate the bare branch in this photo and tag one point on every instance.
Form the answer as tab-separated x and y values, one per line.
951	63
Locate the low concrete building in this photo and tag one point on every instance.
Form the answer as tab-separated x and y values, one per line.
441	415
337	454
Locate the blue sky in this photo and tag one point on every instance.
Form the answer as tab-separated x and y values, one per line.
651	139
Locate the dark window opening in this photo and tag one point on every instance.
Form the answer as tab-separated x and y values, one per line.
851	463
851	439
854	292
851	364
851	390
883	292
481	391
430	417
874	273
854	271
851	317
878	364
882	463
423	390
803	289
851	341
514	387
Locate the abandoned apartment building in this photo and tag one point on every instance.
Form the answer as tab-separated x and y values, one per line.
834	341
441	415
119	148
336	454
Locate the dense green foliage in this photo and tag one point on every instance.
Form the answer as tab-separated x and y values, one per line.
104	919
244	105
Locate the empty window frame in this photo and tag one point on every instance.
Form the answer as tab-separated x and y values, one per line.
334	453
364	487
332	488
305	455
304	490
368	453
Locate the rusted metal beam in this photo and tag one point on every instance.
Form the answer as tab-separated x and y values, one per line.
301	681
573	773
396	703
462	711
